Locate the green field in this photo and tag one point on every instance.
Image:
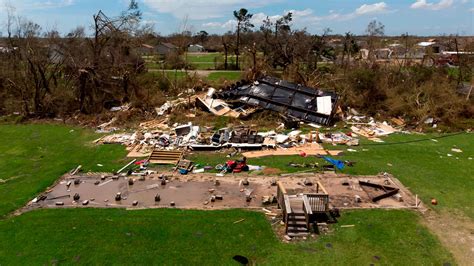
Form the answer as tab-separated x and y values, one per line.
166	236
204	61
208	61
198	61
225	75
32	157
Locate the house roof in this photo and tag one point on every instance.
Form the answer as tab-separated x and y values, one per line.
147	46
169	45
424	44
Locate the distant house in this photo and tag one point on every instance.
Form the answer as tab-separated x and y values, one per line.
364	53
383	53
5	49
165	48
196	48
435	47
398	50
334	43
146	49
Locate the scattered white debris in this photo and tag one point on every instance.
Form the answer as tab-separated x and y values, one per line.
456	150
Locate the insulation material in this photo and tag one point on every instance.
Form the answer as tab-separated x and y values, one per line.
324	105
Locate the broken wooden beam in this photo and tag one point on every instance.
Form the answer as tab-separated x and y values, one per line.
387	190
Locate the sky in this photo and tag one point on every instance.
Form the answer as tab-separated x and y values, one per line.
415	17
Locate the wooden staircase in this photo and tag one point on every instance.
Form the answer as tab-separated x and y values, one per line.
297	223
300	211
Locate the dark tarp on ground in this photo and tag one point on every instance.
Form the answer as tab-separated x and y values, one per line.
288	98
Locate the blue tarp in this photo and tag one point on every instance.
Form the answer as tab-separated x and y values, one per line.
339	164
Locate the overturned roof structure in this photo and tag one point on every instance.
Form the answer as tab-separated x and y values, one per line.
292	100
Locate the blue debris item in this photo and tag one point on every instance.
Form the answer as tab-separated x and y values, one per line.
183	171
338	164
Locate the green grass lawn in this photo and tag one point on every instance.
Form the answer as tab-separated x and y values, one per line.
204	61
203	57
423	166
225	75
32	157
168	236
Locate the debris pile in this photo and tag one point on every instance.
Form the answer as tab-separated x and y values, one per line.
289	99
369	128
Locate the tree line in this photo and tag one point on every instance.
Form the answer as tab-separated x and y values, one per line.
43	74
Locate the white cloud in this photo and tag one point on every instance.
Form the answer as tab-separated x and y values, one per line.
423	4
372	9
306	17
212	25
204	9
300	13
35	4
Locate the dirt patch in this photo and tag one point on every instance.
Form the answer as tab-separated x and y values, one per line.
271	171
455	231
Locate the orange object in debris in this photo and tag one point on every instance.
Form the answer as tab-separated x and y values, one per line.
303	154
434	202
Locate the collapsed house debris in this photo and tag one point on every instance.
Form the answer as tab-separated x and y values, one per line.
369	128
293	100
219	107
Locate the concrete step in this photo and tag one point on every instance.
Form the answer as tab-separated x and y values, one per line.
295	229
297	222
296	214
291	234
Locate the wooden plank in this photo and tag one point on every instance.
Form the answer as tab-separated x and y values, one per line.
287	204
307	206
320	186
165	157
282	188
387	190
309	149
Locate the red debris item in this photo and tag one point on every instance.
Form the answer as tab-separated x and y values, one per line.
230	164
140	162
303	154
237	166
434	202
349	134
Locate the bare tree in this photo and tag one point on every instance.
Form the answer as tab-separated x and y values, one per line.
374	31
243	24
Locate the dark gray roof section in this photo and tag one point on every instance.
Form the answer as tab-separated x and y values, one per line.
290	99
